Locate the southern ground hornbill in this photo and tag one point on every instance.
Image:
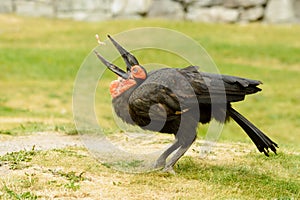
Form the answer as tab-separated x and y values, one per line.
174	101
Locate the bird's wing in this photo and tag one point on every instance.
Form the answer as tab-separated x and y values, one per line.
163	93
216	87
153	101
171	92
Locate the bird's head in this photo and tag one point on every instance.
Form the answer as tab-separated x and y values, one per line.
135	74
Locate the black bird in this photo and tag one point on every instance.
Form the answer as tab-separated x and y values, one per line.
174	101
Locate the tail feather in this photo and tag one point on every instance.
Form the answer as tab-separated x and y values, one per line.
262	142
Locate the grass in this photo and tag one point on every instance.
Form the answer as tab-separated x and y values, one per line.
18	160
25	195
77	175
38	69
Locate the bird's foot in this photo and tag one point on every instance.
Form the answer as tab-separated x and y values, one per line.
169	170
160	163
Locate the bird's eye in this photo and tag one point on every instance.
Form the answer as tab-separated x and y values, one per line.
135	70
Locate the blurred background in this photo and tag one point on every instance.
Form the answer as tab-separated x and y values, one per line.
44	42
229	11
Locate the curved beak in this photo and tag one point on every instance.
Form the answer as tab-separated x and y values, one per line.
129	59
112	67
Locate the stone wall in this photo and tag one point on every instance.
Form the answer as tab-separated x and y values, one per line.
228	11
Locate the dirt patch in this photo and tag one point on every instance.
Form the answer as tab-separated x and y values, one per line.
41	141
132	143
132	152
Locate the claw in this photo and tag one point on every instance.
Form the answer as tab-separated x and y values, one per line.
160	163
169	170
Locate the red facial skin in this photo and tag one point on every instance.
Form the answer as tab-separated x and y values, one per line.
117	87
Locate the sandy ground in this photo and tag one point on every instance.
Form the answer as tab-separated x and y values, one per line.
105	183
41	141
129	143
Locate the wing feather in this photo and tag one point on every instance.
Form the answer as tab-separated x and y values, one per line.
171	92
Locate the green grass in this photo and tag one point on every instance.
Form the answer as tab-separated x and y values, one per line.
249	176
25	195
18	160
39	59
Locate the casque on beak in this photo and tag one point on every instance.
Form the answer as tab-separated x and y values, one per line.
129	59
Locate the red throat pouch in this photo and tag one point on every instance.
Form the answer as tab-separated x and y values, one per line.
117	87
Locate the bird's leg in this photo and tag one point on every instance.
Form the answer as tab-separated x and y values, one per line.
185	142
161	161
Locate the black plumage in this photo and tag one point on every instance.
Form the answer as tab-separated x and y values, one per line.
174	101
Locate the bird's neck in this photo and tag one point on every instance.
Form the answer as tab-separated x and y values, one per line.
121	107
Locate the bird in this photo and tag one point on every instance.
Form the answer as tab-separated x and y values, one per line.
175	100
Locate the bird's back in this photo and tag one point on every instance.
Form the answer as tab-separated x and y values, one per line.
216	86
